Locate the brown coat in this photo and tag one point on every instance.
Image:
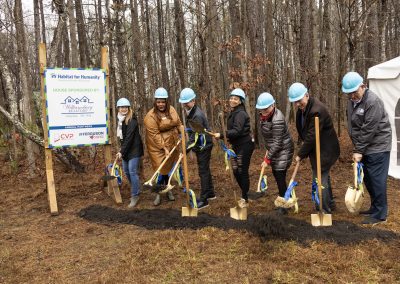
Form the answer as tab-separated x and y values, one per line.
159	134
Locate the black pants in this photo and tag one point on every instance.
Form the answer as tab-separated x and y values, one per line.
240	166
280	178
203	163
328	203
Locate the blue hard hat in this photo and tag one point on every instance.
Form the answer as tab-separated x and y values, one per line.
122	102
238	92
264	101
187	94
296	92
161	93
351	82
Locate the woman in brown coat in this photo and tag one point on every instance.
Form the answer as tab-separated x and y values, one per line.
162	134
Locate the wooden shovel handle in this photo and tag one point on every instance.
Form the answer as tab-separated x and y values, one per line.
166	159
296	168
221	116
318	152
185	167
355	175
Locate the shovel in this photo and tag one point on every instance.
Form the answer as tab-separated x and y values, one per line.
260	192
169	185
111	174
237	212
197	127
290	198
320	219
152	183
188	211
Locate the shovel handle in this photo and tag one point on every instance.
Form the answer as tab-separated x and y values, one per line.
260	178
185	167
296	168
355	175
318	152
221	116
166	158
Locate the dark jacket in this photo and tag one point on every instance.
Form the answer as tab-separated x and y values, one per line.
329	143
197	115
238	126
131	145
278	141
368	125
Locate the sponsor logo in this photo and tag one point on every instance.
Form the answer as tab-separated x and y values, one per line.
93	134
63	137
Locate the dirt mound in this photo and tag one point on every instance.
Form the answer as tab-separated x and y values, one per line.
265	226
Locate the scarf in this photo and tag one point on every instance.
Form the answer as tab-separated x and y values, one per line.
264	118
121	119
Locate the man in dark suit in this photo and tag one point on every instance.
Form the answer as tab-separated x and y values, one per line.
307	109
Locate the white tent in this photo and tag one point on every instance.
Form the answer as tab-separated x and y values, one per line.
384	80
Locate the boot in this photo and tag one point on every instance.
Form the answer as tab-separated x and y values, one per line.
134	201
157	200
170	196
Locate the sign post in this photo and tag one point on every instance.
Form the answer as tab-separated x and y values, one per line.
75	113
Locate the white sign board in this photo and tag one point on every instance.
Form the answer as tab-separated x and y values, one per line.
76	107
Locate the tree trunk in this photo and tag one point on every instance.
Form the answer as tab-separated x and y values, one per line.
72	35
26	86
161	43
83	44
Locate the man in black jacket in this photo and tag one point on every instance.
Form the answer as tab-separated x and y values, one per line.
370	131
201	144
307	109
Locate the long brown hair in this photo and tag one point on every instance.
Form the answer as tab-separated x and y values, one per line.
166	112
128	116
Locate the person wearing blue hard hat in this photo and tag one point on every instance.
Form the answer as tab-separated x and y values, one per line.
278	142
131	147
200	143
370	131
162	124
307	109
239	135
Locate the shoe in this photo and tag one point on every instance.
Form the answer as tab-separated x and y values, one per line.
243	203
372	221
202	205
365	212
170	196
282	211
211	197
134	201
157	200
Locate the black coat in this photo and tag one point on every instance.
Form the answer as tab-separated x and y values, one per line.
197	115
131	145
238	126
329	143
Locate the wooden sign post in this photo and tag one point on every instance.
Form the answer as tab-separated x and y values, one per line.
112	185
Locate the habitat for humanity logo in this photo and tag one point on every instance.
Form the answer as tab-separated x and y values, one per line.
74	76
77	105
63	137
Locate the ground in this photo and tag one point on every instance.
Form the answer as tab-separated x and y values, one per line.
94	240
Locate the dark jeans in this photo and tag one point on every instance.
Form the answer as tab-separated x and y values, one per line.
328	204
376	167
280	178
240	166
206	183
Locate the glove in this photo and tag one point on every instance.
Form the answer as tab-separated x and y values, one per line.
357	157
267	161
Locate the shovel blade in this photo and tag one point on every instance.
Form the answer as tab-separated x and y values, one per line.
189	212
107	178
321	219
168	188
238	213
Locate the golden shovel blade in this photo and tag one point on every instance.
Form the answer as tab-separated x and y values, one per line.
321	219
189	212
238	213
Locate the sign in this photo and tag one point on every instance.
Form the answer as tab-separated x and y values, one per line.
76	107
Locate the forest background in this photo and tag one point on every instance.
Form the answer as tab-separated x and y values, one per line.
210	46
